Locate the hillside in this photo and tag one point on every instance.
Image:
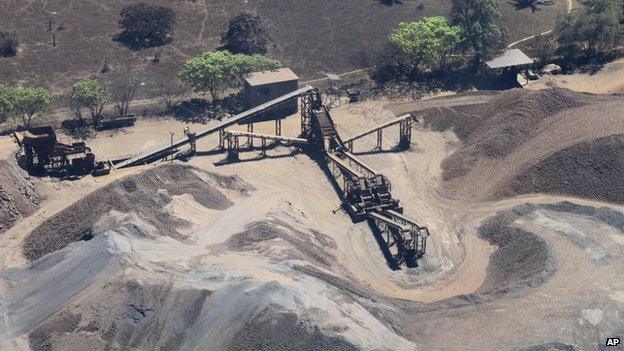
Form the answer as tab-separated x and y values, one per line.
311	36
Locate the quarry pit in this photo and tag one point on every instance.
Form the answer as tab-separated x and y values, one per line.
521	191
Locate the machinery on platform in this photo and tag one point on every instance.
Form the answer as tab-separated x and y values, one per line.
44	153
365	193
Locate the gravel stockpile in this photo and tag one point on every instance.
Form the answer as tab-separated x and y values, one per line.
127	315
145	194
591	169
18	195
522	258
274	331
505	123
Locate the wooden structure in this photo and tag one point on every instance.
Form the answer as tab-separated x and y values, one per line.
261	87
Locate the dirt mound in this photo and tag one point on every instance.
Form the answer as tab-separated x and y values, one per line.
145	194
18	195
522	258
124	316
280	241
274	331
506	122
590	169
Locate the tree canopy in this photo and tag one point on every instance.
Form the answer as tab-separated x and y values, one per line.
145	25
480	21
591	31
534	5
89	94
6	102
246	34
427	42
216	70
26	102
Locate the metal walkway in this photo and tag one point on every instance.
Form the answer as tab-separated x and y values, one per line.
140	159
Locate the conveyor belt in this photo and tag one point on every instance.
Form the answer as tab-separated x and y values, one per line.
270	137
381	126
139	159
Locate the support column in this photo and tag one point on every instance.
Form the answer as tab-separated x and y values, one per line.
222	139
250	128
306	115
405	136
350	146
263	150
379	138
232	147
278	127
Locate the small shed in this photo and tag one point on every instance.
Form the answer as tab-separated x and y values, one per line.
510	62
264	86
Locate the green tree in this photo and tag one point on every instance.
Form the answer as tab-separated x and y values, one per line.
428	42
28	102
247	34
145	25
591	31
6	102
480	21
214	71
89	94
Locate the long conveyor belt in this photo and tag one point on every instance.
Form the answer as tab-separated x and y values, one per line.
139	159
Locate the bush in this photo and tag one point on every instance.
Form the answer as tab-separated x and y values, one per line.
146	25
246	34
217	70
89	94
8	44
591	33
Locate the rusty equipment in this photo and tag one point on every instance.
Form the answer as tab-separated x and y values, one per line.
44	153
365	193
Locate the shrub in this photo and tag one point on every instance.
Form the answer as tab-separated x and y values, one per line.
246	34
146	25
8	44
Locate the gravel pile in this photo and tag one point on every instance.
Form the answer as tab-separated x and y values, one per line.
145	194
504	124
18	195
590	169
522	258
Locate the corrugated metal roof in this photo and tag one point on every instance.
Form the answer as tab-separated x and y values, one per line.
270	77
510	58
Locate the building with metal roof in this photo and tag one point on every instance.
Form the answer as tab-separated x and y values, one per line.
509	58
260	87
271	77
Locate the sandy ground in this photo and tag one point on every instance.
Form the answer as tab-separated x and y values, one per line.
609	79
430	304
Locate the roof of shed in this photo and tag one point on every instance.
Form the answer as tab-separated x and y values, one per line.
510	58
271	77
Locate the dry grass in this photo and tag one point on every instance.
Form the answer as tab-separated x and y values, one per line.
311	36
